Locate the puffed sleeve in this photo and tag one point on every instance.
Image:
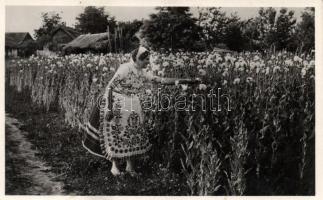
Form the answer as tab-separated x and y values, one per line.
120	74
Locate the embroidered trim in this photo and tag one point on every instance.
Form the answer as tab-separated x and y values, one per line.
102	107
91	151
92	128
89	132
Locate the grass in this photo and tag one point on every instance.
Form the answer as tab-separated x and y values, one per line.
81	172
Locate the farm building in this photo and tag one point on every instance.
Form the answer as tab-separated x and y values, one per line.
18	44
60	37
98	42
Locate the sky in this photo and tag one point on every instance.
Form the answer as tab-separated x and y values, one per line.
28	18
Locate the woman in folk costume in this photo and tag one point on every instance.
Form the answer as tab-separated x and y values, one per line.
115	130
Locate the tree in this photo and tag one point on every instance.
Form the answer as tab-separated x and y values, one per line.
127	33
172	28
284	30
265	26
94	20
49	23
306	30
269	30
259	32
251	35
219	28
233	38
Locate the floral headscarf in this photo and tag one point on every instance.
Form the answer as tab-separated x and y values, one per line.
140	53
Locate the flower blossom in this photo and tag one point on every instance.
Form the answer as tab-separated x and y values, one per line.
176	83
202	87
303	72
165	64
155	67
276	69
236	81
184	87
297	59
102	62
225	73
312	63
148	91
257	70
202	72
161	73
288	62
249	79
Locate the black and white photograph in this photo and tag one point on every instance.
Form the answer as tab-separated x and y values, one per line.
159	100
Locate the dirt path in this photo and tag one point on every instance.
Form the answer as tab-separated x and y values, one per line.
26	173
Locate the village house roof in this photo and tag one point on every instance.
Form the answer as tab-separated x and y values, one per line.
86	41
14	39
68	30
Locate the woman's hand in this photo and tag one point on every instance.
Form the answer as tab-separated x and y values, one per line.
189	81
173	81
156	79
168	81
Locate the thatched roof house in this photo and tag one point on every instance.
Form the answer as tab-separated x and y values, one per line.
64	34
16	43
14	40
88	42
61	36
